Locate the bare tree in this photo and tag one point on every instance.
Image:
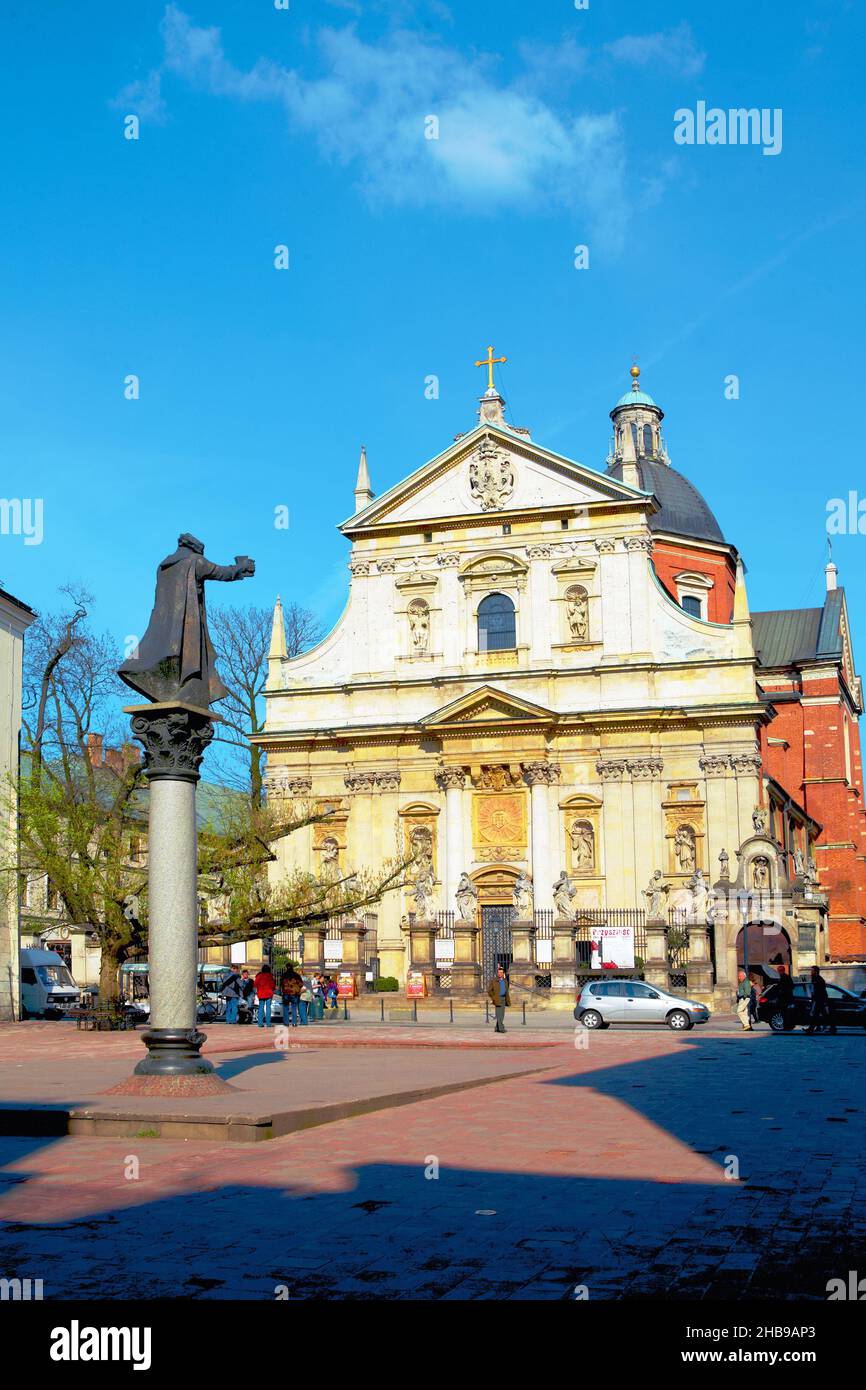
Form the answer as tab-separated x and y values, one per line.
242	639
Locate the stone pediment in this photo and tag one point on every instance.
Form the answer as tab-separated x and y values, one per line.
488	472
488	706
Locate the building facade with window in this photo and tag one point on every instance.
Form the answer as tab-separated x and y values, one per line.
15	618
543	669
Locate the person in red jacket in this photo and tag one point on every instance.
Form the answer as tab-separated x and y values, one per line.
265	987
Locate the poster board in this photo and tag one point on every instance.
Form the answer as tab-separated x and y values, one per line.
613	948
346	985
416	987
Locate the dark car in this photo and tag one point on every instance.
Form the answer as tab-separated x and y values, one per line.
846	1010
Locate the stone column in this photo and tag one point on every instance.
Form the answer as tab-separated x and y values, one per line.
538	777
656	970
699	967
452	780
174	737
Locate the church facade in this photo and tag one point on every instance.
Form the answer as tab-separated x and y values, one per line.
542	691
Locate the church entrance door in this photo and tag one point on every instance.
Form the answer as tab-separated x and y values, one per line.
496	919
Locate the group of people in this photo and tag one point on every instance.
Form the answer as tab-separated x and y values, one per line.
819	1005
305	998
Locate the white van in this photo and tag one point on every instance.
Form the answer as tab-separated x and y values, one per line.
47	988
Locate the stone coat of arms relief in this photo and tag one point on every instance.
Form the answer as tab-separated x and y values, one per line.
491	476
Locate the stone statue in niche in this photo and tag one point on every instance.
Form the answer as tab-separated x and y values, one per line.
330	858
799	862
761	873
685	849
522	895
421	848
419	626
577	612
564	893
656	894
724	866
583	846
759	820
467	899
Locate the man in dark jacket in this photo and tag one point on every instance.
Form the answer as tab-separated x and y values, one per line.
819	1011
231	993
500	996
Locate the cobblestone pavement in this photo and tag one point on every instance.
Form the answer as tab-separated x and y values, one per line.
609	1171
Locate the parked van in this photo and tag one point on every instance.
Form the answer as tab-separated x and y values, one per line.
47	988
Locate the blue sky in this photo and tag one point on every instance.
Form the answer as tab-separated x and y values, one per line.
408	256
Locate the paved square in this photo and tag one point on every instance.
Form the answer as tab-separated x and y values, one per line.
608	1169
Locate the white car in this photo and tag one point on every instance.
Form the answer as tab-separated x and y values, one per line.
602	1002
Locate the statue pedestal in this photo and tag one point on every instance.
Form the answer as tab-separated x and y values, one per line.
174	736
563	967
523	971
466	971
422	950
656	969
699	966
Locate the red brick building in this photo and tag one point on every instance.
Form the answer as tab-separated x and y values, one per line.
811	749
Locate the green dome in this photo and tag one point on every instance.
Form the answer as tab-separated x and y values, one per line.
635	398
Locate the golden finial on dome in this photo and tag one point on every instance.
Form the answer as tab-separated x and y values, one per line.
635	372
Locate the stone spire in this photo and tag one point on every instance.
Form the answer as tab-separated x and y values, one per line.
363	492
278	633
742	617
831	572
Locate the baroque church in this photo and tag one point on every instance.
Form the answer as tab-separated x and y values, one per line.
544	691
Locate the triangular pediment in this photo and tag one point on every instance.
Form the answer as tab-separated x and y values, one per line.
487	705
491	471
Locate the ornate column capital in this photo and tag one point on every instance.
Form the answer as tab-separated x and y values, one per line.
538	552
638	543
747	764
611	769
387	566
645	768
449	778
714	764
448	559
359	781
541	773
174	740
359	567
388	781
605	545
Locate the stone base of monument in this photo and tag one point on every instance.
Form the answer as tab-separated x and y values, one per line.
173	1066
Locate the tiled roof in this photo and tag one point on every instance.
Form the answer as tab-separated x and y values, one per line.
683	510
789	636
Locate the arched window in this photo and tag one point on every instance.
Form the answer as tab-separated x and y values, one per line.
692	604
497	630
648	440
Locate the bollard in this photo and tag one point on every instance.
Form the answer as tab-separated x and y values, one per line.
524	1013
346	1011
486	1011
414	1010
451	1010
381	1010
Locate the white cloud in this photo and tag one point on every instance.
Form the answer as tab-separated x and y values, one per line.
500	144
673	50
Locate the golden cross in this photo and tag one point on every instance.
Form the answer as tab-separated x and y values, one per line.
488	362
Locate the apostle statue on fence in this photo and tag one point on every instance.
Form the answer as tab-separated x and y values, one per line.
522	896
656	895
467	899
564	894
175	661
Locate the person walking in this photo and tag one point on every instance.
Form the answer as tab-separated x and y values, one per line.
265	986
305	1000
785	989
248	990
819	1009
230	991
317	1008
744	1004
291	986
500	995
331	995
